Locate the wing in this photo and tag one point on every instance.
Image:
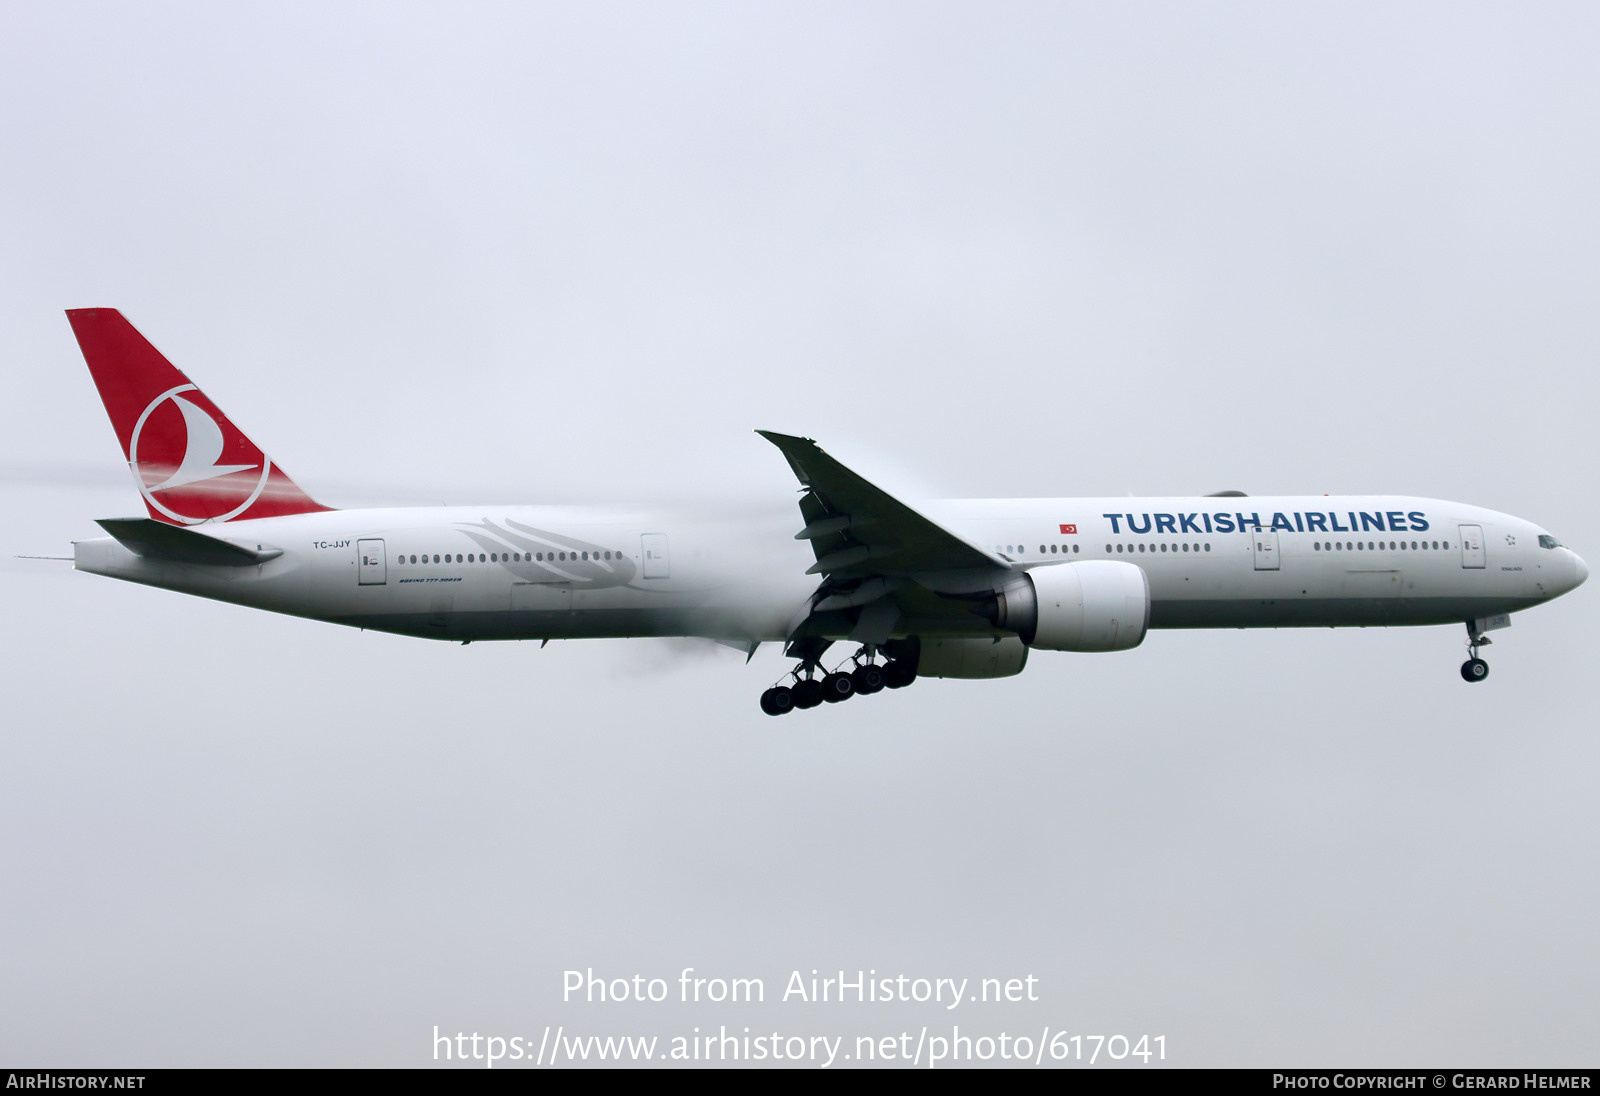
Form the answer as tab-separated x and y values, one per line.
884	565
858	529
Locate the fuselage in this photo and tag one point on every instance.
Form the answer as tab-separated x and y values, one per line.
956	588
542	572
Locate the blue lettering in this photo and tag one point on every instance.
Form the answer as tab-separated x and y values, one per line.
1280	522
1372	521
1114	519
1397	521
1207	519
1419	523
1337	528
1316	523
1134	528
1298	527
1186	524
1165	524
1255	519
1224	523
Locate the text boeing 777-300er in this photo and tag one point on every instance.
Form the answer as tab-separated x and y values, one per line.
943	589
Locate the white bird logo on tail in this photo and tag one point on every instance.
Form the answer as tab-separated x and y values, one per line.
200	455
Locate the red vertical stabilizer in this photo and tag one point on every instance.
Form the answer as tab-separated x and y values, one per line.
189	461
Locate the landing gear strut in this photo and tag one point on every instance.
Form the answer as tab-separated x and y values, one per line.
1475	668
866	677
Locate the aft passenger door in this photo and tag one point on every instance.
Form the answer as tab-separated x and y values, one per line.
372	569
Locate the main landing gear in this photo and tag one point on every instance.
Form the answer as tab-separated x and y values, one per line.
866	677
1475	668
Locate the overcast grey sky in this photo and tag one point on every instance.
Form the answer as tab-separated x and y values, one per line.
538	252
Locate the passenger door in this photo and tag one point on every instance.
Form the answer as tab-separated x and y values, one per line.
653	547
1266	550
372	568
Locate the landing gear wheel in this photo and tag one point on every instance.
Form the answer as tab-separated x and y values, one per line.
868	679
777	701
837	687
898	674
1474	669
806	693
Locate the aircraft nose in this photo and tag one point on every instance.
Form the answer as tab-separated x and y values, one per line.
1580	570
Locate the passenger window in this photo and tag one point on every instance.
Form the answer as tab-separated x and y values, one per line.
1074	549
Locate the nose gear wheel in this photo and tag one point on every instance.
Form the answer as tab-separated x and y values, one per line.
1475	669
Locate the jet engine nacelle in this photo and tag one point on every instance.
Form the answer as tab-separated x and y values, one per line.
969	657
1092	605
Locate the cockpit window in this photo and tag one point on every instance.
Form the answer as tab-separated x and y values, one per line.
1548	541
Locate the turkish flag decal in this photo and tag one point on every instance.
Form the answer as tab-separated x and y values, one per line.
1070	530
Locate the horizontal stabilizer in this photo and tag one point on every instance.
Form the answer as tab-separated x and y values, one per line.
178	544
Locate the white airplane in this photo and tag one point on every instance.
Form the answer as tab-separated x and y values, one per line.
961	589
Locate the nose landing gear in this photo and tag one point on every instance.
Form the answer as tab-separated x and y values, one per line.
1474	668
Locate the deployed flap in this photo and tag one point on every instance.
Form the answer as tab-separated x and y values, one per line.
158	540
858	529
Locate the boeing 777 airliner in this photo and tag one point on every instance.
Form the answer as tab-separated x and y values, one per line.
944	589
